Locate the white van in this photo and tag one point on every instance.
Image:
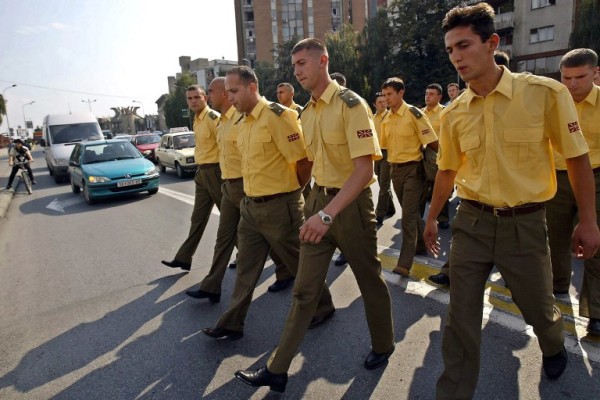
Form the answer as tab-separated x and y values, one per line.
61	132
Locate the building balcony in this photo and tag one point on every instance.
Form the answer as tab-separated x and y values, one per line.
504	21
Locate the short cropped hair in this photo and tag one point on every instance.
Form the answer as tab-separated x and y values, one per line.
480	17
501	58
310	44
452	84
377	95
395	83
287	85
339	78
246	74
435	86
195	87
579	58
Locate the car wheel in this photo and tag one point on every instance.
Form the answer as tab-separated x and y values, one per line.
162	167
88	197
76	189
152	191
180	171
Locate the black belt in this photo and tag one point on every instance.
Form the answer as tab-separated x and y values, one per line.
564	171
506	211
263	199
329	191
233	180
404	164
207	166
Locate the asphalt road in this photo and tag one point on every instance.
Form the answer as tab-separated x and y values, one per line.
88	312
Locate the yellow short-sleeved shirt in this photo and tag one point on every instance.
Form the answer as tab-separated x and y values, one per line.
230	158
205	130
501	145
405	134
588	112
434	117
270	145
335	133
377	119
296	107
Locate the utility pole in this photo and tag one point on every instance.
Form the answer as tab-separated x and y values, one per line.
89	103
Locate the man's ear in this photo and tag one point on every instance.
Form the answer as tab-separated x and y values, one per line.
494	41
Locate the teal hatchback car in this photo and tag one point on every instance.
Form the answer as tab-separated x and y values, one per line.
109	168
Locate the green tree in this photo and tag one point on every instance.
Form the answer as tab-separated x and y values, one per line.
2	108
419	55
586	32
176	103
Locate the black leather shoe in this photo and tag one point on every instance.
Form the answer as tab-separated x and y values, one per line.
440	279
594	326
222	333
341	260
177	264
320	320
560	292
375	360
555	365
278	286
390	213
263	377
443	225
201	294
233	264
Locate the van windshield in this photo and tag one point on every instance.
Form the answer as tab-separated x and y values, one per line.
74	132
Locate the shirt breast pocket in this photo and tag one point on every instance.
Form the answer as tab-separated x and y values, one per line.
469	146
523	146
336	146
259	144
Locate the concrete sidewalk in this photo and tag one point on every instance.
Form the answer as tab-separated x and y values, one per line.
6	196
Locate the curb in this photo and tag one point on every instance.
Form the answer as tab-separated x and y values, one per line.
498	304
6	197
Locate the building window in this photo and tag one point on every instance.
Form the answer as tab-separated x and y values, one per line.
541	34
542	3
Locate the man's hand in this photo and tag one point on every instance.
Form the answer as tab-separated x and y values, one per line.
586	240
430	235
313	230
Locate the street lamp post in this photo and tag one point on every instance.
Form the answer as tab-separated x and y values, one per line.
23	109
7	123
89	103
144	111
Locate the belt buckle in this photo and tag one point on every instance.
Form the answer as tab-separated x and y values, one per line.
329	191
495	211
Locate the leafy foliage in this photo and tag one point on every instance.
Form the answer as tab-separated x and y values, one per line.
176	103
586	32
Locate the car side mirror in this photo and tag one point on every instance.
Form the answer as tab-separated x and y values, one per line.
73	163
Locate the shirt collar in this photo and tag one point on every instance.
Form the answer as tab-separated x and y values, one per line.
262	103
328	94
229	113
593	96
504	87
400	110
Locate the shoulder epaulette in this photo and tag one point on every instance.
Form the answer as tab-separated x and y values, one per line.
299	109
277	108
542	80
415	111
349	97
213	115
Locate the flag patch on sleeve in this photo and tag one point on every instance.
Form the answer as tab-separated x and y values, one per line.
293	137
574	127
364	133
425	131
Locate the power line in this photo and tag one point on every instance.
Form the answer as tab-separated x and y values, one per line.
72	91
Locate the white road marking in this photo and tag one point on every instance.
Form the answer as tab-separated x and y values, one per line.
60	205
185	198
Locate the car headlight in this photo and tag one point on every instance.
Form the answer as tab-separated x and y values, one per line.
61	161
189	160
152	172
147	152
98	179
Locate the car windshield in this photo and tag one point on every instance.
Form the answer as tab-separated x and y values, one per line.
75	132
147	139
183	141
104	152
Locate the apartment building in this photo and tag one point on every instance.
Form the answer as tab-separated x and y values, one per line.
262	25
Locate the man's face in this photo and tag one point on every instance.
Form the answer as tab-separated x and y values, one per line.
239	95
468	54
380	104
579	80
284	95
196	100
432	97
216	94
307	65
452	92
18	145
393	99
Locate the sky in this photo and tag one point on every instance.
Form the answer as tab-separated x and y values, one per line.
73	55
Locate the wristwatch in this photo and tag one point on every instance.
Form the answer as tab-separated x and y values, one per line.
326	218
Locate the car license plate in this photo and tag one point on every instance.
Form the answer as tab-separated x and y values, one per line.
129	183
